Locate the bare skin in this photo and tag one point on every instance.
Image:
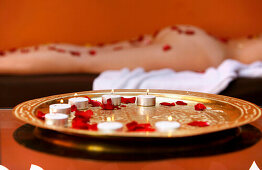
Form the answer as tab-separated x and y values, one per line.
179	48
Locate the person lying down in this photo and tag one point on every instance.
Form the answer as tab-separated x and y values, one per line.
177	47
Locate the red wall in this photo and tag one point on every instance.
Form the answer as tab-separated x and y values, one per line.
28	22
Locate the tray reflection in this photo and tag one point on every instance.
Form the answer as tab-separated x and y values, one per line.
136	149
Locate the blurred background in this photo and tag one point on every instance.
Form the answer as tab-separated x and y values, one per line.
30	22
34	22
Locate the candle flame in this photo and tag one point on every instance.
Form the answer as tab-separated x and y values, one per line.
108	119
147	91
113	117
112	91
61	101
169	118
75	94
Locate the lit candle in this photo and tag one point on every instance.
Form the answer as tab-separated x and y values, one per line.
79	102
165	126
116	99
146	100
108	119
110	126
58	119
60	108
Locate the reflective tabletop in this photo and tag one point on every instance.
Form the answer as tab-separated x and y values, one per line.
22	145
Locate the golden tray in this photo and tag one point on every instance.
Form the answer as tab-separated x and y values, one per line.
222	113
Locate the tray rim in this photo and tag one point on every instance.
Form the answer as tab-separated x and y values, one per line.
79	132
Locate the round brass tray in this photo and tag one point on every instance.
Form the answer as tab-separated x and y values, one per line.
222	113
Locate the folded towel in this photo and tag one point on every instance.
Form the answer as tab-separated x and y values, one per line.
213	80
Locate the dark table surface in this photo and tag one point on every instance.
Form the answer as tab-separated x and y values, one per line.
231	149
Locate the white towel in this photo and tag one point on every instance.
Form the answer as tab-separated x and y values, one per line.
213	80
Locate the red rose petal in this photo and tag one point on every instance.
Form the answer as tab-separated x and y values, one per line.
155	33
73	108
166	47
189	32
52	48
60	50
100	44
75	53
92	52
84	114
24	50
12	50
181	103
250	36
201	71
134	126
79	123
92	126
131	125
174	28
36	48
200	107
198	123
167	104
94	103
109	105
40	115
81	120
2	53
128	100
223	40
140	38
117	48
123	105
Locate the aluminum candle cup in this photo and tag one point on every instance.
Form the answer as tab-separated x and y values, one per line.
146	100
79	102
165	126
60	108
116	99
57	119
110	126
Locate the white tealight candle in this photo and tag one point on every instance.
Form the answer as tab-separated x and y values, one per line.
60	108
79	102
116	99
165	126
146	100
110	126
57	119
